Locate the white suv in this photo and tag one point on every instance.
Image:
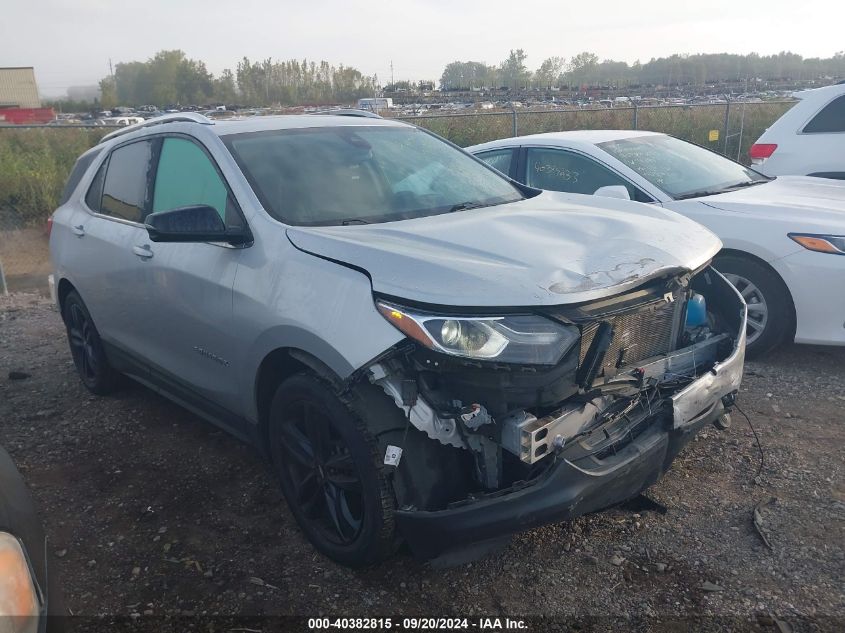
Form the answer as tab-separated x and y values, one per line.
809	140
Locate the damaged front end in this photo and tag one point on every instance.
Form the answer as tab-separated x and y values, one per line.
557	412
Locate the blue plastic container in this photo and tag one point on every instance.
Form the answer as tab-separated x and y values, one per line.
696	311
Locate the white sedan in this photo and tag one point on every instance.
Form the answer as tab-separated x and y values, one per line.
784	238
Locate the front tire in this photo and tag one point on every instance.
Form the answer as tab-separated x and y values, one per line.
86	348
331	472
770	312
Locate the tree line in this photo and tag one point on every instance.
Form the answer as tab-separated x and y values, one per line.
586	69
171	77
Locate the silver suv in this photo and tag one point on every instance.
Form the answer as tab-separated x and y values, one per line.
427	351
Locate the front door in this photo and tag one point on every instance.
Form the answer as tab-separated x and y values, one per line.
191	340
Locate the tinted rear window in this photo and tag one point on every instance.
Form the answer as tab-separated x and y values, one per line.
830	119
76	175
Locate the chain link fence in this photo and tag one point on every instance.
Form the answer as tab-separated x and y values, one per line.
37	160
736	124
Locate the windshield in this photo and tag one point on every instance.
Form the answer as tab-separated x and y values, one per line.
681	169
361	174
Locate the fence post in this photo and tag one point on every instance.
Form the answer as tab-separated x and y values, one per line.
515	125
4	290
727	123
741	127
636	116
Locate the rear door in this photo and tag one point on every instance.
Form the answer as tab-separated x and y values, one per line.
107	262
190	337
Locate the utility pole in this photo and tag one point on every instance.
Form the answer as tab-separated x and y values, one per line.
392	83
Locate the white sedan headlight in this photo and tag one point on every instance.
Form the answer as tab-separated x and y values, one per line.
524	339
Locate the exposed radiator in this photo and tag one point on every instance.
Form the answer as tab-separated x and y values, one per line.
638	334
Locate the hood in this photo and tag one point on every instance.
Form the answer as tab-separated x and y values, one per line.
552	249
805	200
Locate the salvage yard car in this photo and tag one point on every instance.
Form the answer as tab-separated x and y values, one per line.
783	237
427	351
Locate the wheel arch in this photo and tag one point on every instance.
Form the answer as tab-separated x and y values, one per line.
62	290
276	366
733	252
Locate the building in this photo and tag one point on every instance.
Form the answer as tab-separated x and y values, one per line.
18	88
19	100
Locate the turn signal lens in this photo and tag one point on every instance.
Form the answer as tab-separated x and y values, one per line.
19	601
834	244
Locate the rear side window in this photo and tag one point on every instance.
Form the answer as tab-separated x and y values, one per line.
830	119
499	159
95	191
125	186
558	170
186	176
76	175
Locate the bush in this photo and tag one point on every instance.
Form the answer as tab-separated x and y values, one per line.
34	165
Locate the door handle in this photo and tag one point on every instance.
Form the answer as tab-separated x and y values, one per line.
78	230
144	252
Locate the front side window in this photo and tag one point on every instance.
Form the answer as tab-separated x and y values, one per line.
681	169
125	186
559	170
499	159
362	173
186	176
831	118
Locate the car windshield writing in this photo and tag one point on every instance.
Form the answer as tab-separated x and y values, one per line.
681	169
354	174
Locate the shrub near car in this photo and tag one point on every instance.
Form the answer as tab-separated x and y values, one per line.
783	237
427	351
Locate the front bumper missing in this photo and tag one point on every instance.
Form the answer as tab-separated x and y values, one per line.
569	489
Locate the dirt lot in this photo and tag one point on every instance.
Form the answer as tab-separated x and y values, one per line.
151	511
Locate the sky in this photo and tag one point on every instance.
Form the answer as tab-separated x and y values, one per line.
70	42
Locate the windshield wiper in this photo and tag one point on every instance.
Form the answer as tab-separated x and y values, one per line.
712	192
349	221
465	206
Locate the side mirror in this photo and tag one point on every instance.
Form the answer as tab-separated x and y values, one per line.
197	223
613	191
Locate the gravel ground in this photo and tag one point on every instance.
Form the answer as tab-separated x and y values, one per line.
152	512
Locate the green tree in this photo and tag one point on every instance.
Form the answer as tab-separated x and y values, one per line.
549	72
513	72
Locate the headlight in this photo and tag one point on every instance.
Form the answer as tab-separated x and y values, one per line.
526	339
19	599
834	244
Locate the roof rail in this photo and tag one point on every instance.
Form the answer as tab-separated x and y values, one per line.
367	114
183	117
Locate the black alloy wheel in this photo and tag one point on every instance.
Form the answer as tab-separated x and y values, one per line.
325	482
86	348
331	471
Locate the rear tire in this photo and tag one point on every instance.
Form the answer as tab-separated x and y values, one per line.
86	348
770	311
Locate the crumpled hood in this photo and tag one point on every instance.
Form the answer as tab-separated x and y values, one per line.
552	249
805	200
